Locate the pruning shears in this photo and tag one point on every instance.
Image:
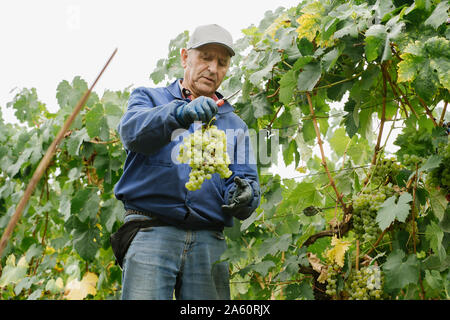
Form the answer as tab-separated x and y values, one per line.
222	101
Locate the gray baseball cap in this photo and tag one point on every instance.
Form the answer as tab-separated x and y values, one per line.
211	33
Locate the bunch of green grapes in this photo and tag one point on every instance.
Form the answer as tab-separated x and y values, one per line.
385	170
365	208
205	152
440	176
332	274
412	160
365	283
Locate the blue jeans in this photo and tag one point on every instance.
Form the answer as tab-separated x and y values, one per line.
165	261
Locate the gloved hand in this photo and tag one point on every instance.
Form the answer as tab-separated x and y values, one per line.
240	199
200	109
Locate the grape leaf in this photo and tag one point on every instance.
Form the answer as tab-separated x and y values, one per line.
337	253
400	272
96	123
288	83
309	77
435	235
439	15
391	211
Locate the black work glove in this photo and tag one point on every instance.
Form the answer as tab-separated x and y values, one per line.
240	200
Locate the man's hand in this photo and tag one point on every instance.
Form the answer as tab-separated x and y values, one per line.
240	199
200	109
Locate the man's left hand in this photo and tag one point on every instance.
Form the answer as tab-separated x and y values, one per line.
240	200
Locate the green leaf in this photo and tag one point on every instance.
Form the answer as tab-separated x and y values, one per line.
329	59
261	105
257	76
375	39
439	15
85	242
301	62
434	234
288	83
112	211
290	153
305	47
339	141
400	272
12	273
432	162
263	267
75	140
308	131
274	245
96	123
391	211
85	204
438	203
309	77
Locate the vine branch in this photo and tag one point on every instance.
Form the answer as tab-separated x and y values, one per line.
322	153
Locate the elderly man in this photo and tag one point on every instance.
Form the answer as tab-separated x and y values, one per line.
172	238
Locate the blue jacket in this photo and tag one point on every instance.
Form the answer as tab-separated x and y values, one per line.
154	181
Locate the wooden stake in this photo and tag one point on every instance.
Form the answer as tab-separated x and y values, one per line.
45	161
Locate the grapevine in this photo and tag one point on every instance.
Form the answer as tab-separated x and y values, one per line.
205	152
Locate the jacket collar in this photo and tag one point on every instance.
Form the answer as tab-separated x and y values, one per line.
175	91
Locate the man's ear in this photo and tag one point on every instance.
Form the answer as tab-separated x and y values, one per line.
184	57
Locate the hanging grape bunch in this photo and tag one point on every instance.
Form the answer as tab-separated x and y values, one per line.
205	152
365	208
365	284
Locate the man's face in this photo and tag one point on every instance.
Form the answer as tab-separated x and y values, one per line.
204	68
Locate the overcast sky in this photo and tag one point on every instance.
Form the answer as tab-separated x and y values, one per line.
44	42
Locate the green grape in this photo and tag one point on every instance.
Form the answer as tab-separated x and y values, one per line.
332	274
365	283
365	209
440	176
385	170
205	152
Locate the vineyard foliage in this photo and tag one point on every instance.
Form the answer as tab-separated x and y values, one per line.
356	93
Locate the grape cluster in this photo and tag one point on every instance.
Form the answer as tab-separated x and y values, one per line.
205	152
365	208
412	160
440	176
332	274
385	170
365	283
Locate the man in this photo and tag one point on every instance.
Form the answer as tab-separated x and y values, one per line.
172	238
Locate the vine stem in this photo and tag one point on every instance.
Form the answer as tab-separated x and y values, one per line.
324	162
398	92
427	110
45	161
441	120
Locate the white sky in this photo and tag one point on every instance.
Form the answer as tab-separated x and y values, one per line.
44	42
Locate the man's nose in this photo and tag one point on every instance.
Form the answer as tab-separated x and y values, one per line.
212	66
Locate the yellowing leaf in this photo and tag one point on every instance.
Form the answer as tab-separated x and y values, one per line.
337	253
281	21
309	24
78	290
315	262
323	275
